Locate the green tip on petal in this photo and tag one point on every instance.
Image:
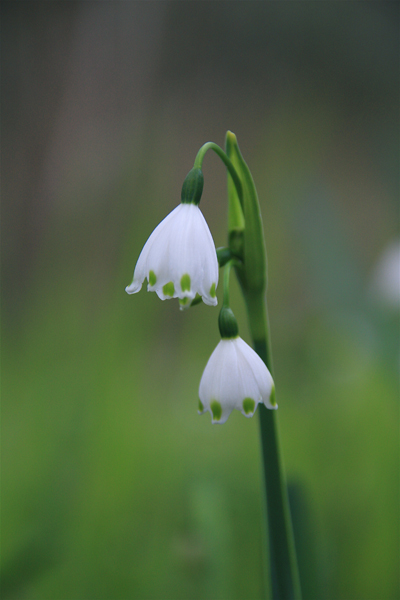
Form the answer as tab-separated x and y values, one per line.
216	410
185	283
152	278
272	398
249	405
213	292
201	407
169	289
183	301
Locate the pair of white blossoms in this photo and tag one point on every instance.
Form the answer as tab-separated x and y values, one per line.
179	260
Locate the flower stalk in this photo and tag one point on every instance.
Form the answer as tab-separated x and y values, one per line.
252	275
283	570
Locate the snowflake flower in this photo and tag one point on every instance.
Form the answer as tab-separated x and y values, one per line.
179	259
235	377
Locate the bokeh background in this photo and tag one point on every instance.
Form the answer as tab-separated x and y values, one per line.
113	488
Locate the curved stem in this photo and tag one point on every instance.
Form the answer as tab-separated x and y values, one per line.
227	162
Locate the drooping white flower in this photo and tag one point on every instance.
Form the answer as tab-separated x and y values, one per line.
235	377
179	259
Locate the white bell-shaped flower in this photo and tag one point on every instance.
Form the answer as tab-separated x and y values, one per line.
179	259
235	377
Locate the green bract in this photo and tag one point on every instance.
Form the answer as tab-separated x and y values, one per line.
253	273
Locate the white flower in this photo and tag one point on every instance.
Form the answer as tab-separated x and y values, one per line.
235	377
179	259
385	285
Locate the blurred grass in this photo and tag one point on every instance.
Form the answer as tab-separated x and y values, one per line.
116	484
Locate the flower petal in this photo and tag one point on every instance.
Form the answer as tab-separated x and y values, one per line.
142	269
261	374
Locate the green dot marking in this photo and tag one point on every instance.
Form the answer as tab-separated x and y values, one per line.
183	301
213	293
272	398
185	283
216	410
201	407
249	405
152	278
169	289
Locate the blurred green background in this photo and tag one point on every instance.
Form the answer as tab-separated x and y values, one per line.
113	488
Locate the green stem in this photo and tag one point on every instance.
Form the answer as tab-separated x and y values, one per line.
227	162
227	271
283	564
